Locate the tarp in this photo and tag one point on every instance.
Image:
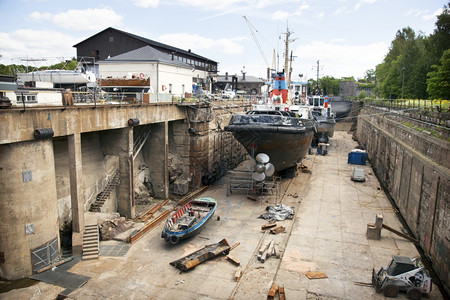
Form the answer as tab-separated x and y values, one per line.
279	212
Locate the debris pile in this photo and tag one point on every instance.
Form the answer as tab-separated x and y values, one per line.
268	250
273	291
279	212
112	227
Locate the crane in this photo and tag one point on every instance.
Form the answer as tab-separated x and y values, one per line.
252	31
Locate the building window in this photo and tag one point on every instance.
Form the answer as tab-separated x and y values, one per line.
95	54
27	98
111	39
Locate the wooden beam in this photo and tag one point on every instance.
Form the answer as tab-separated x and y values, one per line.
400	233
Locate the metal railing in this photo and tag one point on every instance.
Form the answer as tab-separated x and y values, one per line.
411	104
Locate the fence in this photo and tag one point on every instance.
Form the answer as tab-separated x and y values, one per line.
411	104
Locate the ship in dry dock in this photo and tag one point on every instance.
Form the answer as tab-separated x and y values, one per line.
283	135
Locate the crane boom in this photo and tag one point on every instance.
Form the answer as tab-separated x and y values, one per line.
252	31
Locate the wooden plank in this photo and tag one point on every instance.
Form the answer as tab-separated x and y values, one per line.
316	275
400	233
234	246
277	229
267	226
281	292
263	248
238	274
273	290
233	260
271	247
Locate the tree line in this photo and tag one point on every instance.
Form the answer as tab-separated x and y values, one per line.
13	69
416	66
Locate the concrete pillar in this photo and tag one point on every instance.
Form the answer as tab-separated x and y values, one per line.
159	159
28	207
125	204
76	182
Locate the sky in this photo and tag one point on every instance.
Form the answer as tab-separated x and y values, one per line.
347	37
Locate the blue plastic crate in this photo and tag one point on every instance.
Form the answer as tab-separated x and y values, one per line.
357	157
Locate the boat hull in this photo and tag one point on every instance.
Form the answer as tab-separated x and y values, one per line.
285	145
325	128
172	234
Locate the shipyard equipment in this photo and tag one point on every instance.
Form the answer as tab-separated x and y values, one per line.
402	274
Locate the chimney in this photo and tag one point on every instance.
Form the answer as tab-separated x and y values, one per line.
226	75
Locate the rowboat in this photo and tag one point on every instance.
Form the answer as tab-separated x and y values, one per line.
189	219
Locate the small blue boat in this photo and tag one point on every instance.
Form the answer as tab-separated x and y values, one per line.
189	219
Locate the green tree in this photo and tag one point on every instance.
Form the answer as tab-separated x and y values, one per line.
404	67
370	75
439	41
362	95
329	85
439	79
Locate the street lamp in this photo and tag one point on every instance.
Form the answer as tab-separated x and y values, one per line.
403	80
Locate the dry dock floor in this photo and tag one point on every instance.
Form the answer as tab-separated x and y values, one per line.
327	234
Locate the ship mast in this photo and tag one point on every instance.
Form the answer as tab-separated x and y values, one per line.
318	89
287	68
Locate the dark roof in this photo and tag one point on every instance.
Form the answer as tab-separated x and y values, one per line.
221	78
151	43
146	53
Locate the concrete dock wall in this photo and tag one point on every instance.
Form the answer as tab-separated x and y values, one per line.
413	166
28	211
71	167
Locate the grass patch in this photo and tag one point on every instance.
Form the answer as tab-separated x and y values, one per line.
426	131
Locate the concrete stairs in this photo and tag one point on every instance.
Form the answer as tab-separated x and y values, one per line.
104	195
90	242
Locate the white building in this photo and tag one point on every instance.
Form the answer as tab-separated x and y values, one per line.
167	74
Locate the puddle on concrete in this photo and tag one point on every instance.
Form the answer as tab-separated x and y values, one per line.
6	286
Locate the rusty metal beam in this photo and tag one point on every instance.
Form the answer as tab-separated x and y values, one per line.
140	233
186	199
149	213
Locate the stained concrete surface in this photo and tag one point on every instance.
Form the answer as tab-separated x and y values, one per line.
328	234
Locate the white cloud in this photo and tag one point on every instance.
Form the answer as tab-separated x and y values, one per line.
199	43
341	59
36	44
358	5
37	16
279	14
214	5
76	19
433	15
414	12
341	11
146	3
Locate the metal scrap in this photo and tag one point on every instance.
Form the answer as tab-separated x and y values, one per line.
209	251
279	212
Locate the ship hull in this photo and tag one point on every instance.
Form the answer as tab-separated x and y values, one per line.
286	146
